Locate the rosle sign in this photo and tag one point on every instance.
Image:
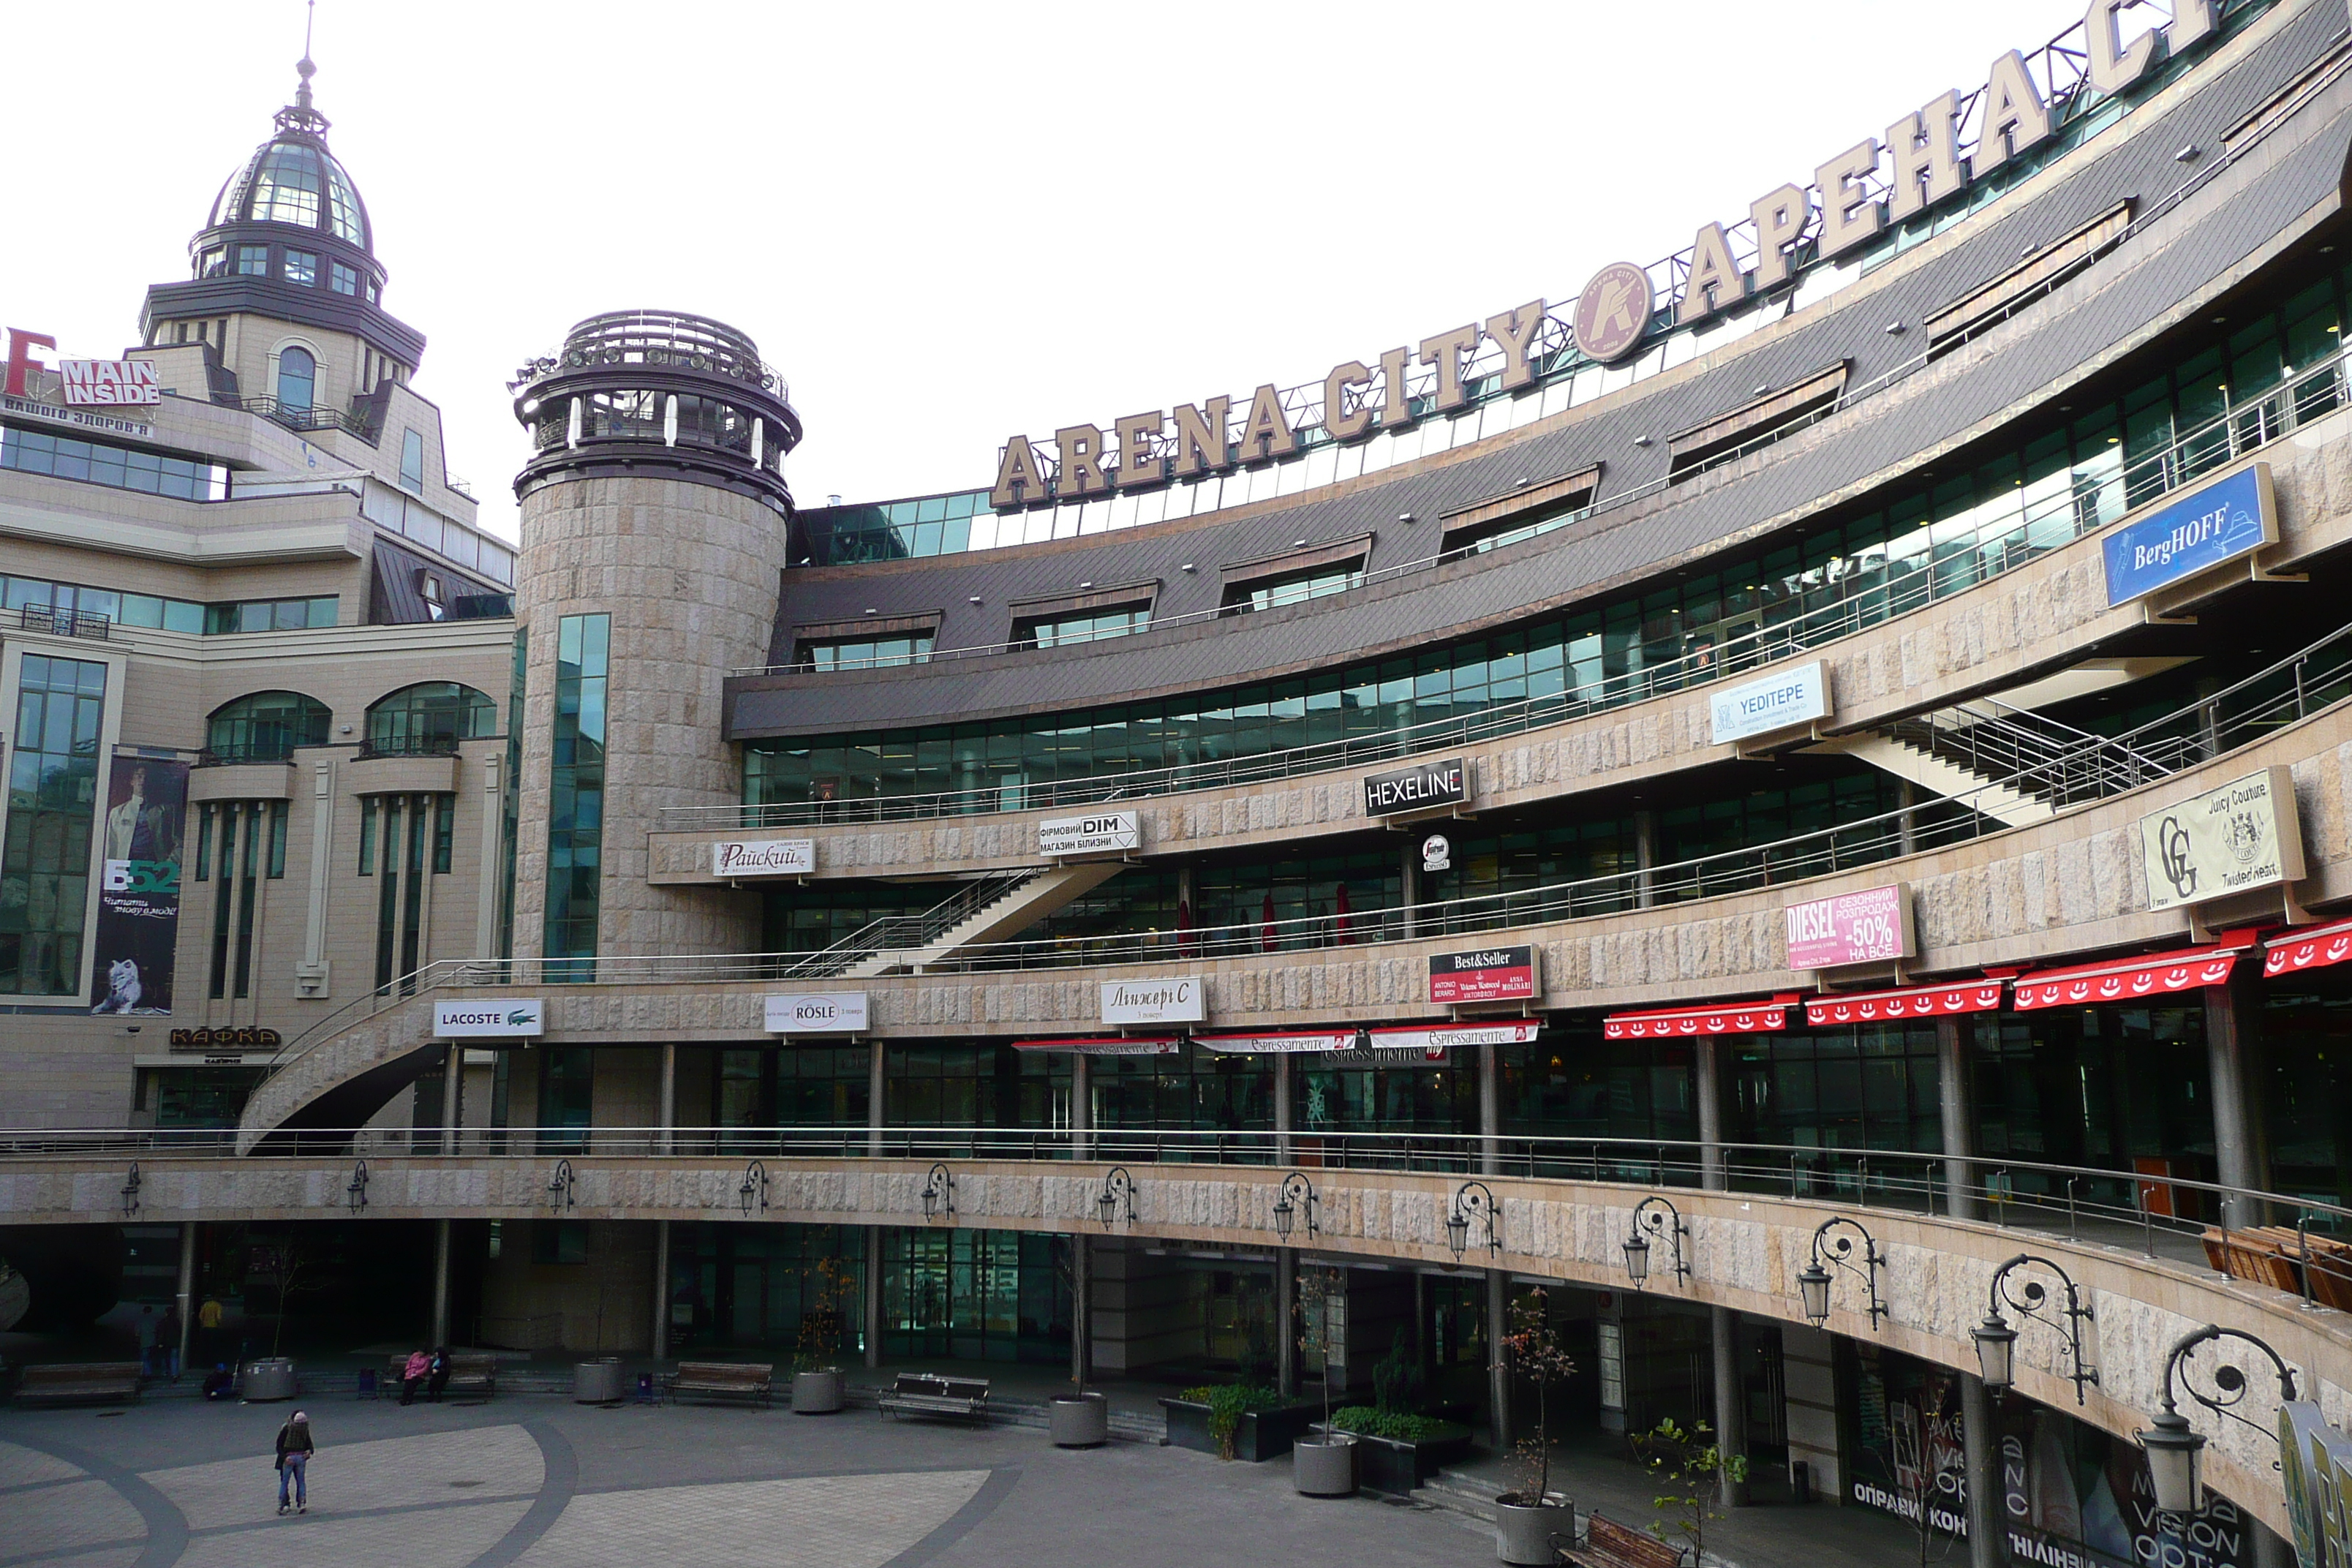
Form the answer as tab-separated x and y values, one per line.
817	1013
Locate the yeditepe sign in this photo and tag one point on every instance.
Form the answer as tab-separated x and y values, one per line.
2211	524
1779	701
2243	835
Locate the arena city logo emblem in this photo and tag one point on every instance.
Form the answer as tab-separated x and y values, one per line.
1613	314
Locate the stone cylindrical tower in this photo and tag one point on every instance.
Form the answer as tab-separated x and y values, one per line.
655	518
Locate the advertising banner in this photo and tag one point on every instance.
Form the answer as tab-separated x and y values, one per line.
1181	999
138	890
1851	928
2243	835
1103	833
1778	701
817	1013
110	381
1489	974
1417	788
2315	1469
763	857
2211	524
492	1017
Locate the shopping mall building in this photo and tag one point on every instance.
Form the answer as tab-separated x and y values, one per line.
1752	795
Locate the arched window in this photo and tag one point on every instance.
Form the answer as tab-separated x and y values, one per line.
266	727
298	378
429	719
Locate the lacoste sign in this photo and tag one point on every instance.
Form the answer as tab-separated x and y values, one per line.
505	1017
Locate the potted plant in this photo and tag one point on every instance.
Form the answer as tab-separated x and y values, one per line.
817	1359
1323	1465
1080	1418
1235	1420
1686	1461
1397	1450
1526	1519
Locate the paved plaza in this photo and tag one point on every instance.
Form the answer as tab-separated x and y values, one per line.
540	1483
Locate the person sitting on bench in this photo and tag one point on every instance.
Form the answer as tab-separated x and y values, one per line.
439	1371
413	1374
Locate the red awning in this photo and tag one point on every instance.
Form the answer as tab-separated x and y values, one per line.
1112	1046
2128	979
1767	1016
1439	1037
1913	1002
2314	947
1261	1045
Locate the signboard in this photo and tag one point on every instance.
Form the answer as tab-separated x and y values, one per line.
817	1013
1436	852
2243	835
2316	1471
110	381
54	415
492	1017
227	1037
1181	999
1420	788
1445	1036
1778	701
138	932
1104	832
2195	533
1116	1046
1489	974
763	857
1293	1043
1851	928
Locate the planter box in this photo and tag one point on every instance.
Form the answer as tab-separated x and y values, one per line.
1394	1466
1261	1435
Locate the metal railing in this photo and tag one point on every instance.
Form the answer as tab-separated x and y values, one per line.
2047	758
80	624
1941	569
908	933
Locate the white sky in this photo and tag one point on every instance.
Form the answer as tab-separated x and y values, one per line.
945	224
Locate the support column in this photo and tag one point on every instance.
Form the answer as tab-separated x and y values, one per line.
665	1141
1645	855
1987	1523
1707	1065
1409	881
2270	1551
1082	1111
453	1100
661	1289
1730	1403
874	1117
1082	1307
440	1282
873	1295
2231	1033
1499	1364
187	1293
1956	1098
1490	1110
1286	1320
1282	1108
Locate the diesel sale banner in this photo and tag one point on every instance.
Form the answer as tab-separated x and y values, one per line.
139	891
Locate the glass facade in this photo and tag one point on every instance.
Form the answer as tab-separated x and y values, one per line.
1069	629
576	817
862	653
52	799
266	727
98	463
430	717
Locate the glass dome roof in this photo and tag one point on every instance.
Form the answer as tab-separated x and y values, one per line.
293	179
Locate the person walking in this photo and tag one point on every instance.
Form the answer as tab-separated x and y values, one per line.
418	1366
208	1326
294	1451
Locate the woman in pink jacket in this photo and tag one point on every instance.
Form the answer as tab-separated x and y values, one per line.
412	1376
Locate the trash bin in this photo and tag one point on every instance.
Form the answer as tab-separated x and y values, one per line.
598	1382
270	1378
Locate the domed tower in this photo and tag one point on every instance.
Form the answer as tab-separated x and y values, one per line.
284	287
655	518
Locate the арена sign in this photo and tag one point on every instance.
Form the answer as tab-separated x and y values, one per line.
1421	788
1489	974
2211	524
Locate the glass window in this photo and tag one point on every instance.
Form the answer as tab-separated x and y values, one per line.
412	460
575	824
266	727
345	220
52	800
342	279
302	267
298	378
1079	628
94	462
212	263
286	187
429	719
864	653
253	260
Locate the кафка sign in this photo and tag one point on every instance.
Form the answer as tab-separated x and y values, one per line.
817	1013
1104	833
490	1017
1426	786
1179	999
2243	835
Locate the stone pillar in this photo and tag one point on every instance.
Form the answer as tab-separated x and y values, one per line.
874	1120
1707	1064
2232	1033
1082	1308
1956	1098
1645	856
873	1295
2270	1551
453	1099
1730	1403
1409	881
1082	1111
661	1289
1498	1364
186	1295
1286	1320
441	1281
1282	1108
665	1141
1421	1321
1987	1520
1490	1109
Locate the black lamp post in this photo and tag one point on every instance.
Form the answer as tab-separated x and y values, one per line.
355	1191
1659	1216
559	1187
131	1192
1997	1342
939	1193
1474	1198
2172	1444
1117	1200
1834	1248
1296	1192
754	1190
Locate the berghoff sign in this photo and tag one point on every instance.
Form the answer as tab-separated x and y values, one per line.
1486	974
1180	1000
1782	701
763	857
2243	835
1867	927
1425	787
494	1017
2209	526
1106	833
1857	195
817	1013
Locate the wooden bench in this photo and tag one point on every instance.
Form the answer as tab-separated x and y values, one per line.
725	1380
931	1393
1609	1545
65	1382
470	1372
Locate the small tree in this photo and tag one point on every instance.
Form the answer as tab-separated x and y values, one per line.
1685	1459
826	1288
1315	1297
1534	1351
1397	1379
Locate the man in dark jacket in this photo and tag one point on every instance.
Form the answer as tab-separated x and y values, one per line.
294	1451
439	1374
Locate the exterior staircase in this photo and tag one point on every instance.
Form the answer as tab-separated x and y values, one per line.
2008	764
988	909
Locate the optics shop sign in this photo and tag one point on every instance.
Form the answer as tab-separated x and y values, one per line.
2315	1469
2214	523
1489	974
1779	701
494	1017
1181	999
817	1013
1423	788
763	857
1104	833
1851	928
2243	835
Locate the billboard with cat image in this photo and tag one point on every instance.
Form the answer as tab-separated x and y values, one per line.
139	891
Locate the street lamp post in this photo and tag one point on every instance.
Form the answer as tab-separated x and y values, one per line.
1659	1216
1474	1198
559	1187
1997	1342
754	1190
939	1193
1296	1193
1117	1200
1834	1248
2172	1445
